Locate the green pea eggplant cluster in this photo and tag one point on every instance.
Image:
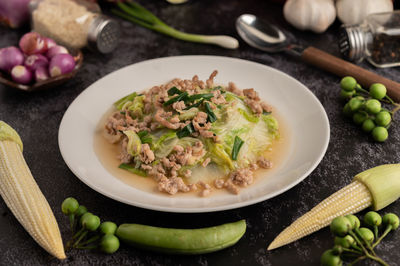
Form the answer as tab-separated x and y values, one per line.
366	109
87	230
354	243
89	233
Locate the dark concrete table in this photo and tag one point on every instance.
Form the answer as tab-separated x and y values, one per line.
36	116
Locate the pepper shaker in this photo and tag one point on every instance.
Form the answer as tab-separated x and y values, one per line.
377	39
75	24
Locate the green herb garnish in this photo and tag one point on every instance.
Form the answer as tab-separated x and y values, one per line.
194	97
236	147
178	98
132	169
173	91
144	137
186	131
211	116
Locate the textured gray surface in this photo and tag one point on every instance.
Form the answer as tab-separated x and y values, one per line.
36	116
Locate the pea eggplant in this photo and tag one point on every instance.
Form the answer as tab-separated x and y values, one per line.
182	241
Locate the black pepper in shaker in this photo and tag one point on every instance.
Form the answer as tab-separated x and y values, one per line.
377	39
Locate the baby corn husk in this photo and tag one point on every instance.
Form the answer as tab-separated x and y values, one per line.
376	187
23	196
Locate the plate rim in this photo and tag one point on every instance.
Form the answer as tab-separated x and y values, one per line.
230	206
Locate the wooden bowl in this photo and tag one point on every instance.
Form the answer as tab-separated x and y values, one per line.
49	83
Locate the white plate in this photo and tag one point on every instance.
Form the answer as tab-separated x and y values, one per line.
302	112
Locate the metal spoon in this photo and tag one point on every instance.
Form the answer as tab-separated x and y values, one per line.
267	37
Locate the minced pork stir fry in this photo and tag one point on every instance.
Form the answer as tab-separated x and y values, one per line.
193	135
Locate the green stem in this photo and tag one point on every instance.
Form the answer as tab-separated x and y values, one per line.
352	251
362	90
357	260
395	109
365	241
359	242
72	222
90	247
356	247
90	240
376	231
389	99
377	259
78	233
80	238
387	230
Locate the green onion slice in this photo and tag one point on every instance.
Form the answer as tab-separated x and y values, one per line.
173	91
194	97
178	98
236	147
186	131
132	169
211	116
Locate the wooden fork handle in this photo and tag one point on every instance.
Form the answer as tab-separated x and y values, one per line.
343	68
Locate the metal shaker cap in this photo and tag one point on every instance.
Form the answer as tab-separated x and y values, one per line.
104	34
352	42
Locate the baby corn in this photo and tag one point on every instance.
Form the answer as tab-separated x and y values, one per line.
376	187
23	196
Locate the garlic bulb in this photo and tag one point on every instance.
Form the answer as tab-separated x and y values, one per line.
315	15
355	11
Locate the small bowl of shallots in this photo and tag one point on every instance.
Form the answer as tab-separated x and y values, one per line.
37	63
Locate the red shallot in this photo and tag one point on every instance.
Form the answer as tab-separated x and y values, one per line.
34	61
61	64
58	49
21	74
50	42
10	57
41	74
32	43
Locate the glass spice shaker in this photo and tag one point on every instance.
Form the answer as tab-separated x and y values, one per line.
377	39
74	24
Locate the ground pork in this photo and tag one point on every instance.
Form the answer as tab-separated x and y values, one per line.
201	125
161	116
218	98
251	94
234	89
124	156
206	162
198	149
210	80
255	106
146	154
146	167
219	183
187	173
179	106
112	137
242	177
114	121
264	163
266	107
206	189
172	185
231	187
